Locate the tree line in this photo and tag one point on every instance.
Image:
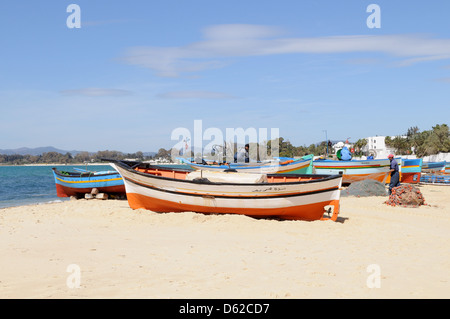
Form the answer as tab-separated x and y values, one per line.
68	158
279	147
285	149
424	143
429	142
434	141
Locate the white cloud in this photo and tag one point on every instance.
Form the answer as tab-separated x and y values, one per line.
240	40
240	31
195	95
412	61
169	62
96	92
363	61
444	80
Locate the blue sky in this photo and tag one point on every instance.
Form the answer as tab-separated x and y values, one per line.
137	70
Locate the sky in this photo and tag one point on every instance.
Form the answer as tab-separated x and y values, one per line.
136	72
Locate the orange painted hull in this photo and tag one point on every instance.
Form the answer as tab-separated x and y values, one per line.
63	191
411	178
380	177
308	212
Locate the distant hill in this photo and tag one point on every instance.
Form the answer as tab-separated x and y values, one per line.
35	151
46	149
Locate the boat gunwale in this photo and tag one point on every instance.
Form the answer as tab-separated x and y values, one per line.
243	166
321	177
358	161
58	172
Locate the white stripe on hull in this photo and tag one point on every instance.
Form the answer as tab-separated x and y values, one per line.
223	189
361	171
357	167
212	201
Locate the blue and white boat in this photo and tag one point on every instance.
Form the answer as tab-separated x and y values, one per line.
435	166
302	165
69	183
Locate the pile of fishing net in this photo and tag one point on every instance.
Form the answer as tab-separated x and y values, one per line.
366	187
406	195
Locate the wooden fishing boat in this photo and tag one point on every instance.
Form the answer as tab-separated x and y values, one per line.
82	182
447	168
434	166
436	179
285	196
410	170
438	176
355	170
284	166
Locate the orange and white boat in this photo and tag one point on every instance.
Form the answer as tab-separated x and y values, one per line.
286	196
355	170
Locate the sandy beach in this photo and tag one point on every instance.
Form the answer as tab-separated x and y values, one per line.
104	249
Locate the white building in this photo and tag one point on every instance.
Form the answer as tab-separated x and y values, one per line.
437	157
376	146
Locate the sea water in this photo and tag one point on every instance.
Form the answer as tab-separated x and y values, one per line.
26	185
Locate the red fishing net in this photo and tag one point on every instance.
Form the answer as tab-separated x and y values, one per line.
406	195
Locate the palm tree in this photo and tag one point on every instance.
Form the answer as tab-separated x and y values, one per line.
359	145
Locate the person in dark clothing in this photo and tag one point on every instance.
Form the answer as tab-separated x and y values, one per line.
395	174
242	155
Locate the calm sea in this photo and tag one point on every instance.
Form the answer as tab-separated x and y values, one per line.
25	185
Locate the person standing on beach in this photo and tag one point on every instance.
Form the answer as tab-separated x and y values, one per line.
395	175
242	155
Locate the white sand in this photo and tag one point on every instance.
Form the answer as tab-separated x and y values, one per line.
125	253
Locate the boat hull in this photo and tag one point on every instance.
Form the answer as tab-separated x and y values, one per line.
434	166
355	170
410	170
77	184
442	179
410	178
303	200
290	166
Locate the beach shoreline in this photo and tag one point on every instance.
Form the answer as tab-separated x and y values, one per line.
82	164
58	164
372	251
